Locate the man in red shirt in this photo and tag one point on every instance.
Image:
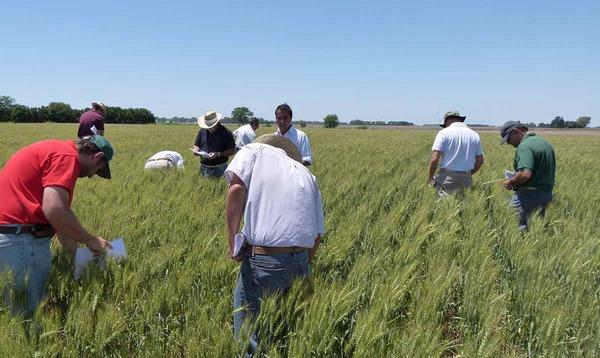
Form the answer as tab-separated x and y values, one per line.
36	187
92	121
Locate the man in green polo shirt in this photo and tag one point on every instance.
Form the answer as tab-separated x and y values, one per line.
535	167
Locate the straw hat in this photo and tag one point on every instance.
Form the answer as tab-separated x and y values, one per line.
278	141
99	105
209	119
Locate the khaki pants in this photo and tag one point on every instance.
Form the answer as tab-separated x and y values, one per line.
449	181
161	163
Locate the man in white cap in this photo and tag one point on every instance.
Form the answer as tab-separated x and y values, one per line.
280	202
458	154
245	134
92	121
214	144
283	116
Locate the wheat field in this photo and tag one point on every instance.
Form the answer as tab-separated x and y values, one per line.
399	274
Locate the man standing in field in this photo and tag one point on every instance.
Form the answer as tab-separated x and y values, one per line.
280	202
92	121
245	134
216	141
283	116
36	187
458	153
535	168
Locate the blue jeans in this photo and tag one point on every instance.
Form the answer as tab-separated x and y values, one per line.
526	201
24	269
212	170
261	275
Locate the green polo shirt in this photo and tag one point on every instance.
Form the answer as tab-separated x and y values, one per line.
535	154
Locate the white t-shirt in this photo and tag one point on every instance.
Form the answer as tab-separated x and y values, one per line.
300	139
459	145
283	201
172	156
244	135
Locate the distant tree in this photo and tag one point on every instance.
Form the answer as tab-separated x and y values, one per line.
6	105
302	124
557	122
241	114
531	125
22	114
356	122
583	122
543	125
331	121
58	112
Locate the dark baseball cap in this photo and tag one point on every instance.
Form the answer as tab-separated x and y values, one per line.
105	147
506	128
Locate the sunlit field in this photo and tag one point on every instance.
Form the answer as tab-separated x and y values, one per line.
399	273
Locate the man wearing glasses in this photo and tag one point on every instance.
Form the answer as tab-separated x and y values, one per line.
535	168
36	187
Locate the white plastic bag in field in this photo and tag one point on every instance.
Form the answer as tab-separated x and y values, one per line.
83	256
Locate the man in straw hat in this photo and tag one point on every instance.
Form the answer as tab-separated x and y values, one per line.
92	121
458	154
283	116
216	141
535	168
280	202
36	187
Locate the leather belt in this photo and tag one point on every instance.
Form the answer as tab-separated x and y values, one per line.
37	230
266	250
157	159
442	170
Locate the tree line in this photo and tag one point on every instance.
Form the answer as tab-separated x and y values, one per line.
61	112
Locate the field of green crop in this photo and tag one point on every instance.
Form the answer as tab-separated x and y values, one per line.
398	274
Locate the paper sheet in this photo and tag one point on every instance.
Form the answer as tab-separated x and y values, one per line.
239	241
83	256
508	174
201	153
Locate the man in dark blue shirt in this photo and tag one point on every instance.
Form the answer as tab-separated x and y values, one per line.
214	144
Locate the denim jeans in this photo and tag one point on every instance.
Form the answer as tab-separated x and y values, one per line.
261	275
526	201
212	170
24	267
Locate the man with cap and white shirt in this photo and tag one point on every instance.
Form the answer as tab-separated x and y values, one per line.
458	154
165	159
535	168
92	121
280	202
283	116
214	144
245	134
36	187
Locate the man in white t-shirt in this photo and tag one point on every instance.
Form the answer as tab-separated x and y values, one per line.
164	160
280	202
283	116
245	134
458	154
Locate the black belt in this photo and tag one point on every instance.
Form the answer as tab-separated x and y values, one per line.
37	230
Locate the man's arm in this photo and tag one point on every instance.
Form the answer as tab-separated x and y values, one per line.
433	164
234	209
312	251
56	209
478	163
519	178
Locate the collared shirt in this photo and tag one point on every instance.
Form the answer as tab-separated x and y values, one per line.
169	155
218	141
28	172
300	139
459	146
244	135
90	123
536	155
283	202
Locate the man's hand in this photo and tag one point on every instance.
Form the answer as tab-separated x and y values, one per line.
430	181
98	246
508	184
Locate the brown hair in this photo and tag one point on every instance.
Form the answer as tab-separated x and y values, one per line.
86	146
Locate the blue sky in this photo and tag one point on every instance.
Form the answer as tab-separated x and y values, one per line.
492	60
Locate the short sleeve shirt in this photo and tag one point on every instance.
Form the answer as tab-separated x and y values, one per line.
459	146
283	201
90	123
535	154
218	141
169	155
244	135
300	139
28	172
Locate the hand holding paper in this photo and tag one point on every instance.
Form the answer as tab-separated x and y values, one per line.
83	256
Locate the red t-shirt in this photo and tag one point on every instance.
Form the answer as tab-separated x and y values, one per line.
28	172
